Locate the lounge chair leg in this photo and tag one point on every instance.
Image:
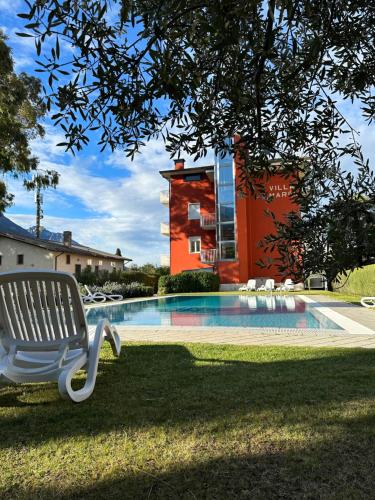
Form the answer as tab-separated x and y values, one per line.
103	332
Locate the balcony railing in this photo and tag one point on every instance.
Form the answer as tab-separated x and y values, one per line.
208	221
164	228
164	197
209	256
165	260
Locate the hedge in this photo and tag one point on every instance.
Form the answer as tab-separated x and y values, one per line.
359	282
189	282
127	290
88	277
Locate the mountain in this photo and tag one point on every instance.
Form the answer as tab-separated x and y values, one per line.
45	234
7	226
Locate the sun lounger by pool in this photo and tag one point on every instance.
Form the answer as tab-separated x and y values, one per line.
287	286
99	296
368	302
250	286
268	286
44	335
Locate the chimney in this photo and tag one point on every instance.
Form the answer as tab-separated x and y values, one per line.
179	164
67	238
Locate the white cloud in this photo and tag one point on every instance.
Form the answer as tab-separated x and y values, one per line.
124	211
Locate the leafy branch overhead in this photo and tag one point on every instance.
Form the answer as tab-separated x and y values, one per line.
21	108
198	71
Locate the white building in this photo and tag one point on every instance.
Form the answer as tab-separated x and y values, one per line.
20	252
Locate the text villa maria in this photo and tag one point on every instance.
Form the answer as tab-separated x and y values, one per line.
280	190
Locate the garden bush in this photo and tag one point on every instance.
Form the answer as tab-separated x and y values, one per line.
189	282
90	278
127	290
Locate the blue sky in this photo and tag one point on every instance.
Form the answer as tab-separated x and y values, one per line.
105	199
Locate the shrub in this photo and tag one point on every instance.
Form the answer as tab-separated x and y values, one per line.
90	278
189	282
127	290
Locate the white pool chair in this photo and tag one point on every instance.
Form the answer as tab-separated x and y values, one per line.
268	286
287	286
99	296
44	335
250	286
368	302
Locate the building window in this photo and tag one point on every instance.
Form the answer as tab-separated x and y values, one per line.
194	211
20	259
77	269
194	244
89	262
68	259
100	262
192	177
226	210
113	264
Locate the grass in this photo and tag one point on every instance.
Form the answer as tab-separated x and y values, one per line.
351	298
171	421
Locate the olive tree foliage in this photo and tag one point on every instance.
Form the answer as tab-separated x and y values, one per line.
21	108
334	237
196	72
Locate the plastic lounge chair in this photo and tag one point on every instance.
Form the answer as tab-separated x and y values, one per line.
368	302
44	335
287	286
99	296
250	286
268	286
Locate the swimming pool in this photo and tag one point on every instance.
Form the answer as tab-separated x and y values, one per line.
261	311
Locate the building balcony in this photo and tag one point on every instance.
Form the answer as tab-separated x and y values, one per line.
165	260
209	255
164	228
164	197
208	221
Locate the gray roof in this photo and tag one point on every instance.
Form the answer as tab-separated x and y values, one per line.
53	246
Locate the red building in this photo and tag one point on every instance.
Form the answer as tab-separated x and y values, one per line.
211	227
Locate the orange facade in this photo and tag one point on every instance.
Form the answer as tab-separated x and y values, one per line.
198	186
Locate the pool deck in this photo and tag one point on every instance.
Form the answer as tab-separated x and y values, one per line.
271	336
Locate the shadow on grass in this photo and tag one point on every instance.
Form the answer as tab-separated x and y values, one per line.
167	385
216	389
342	470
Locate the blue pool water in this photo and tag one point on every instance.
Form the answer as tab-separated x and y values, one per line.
212	310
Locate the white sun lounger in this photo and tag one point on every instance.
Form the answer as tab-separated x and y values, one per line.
99	296
287	286
44	335
250	286
268	286
368	302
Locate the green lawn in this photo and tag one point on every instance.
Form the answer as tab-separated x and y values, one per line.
353	299
194	421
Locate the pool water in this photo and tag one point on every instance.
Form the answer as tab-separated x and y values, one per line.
262	311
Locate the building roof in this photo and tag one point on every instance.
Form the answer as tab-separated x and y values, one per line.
53	246
167	174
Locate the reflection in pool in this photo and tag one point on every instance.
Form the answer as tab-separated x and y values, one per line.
257	311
